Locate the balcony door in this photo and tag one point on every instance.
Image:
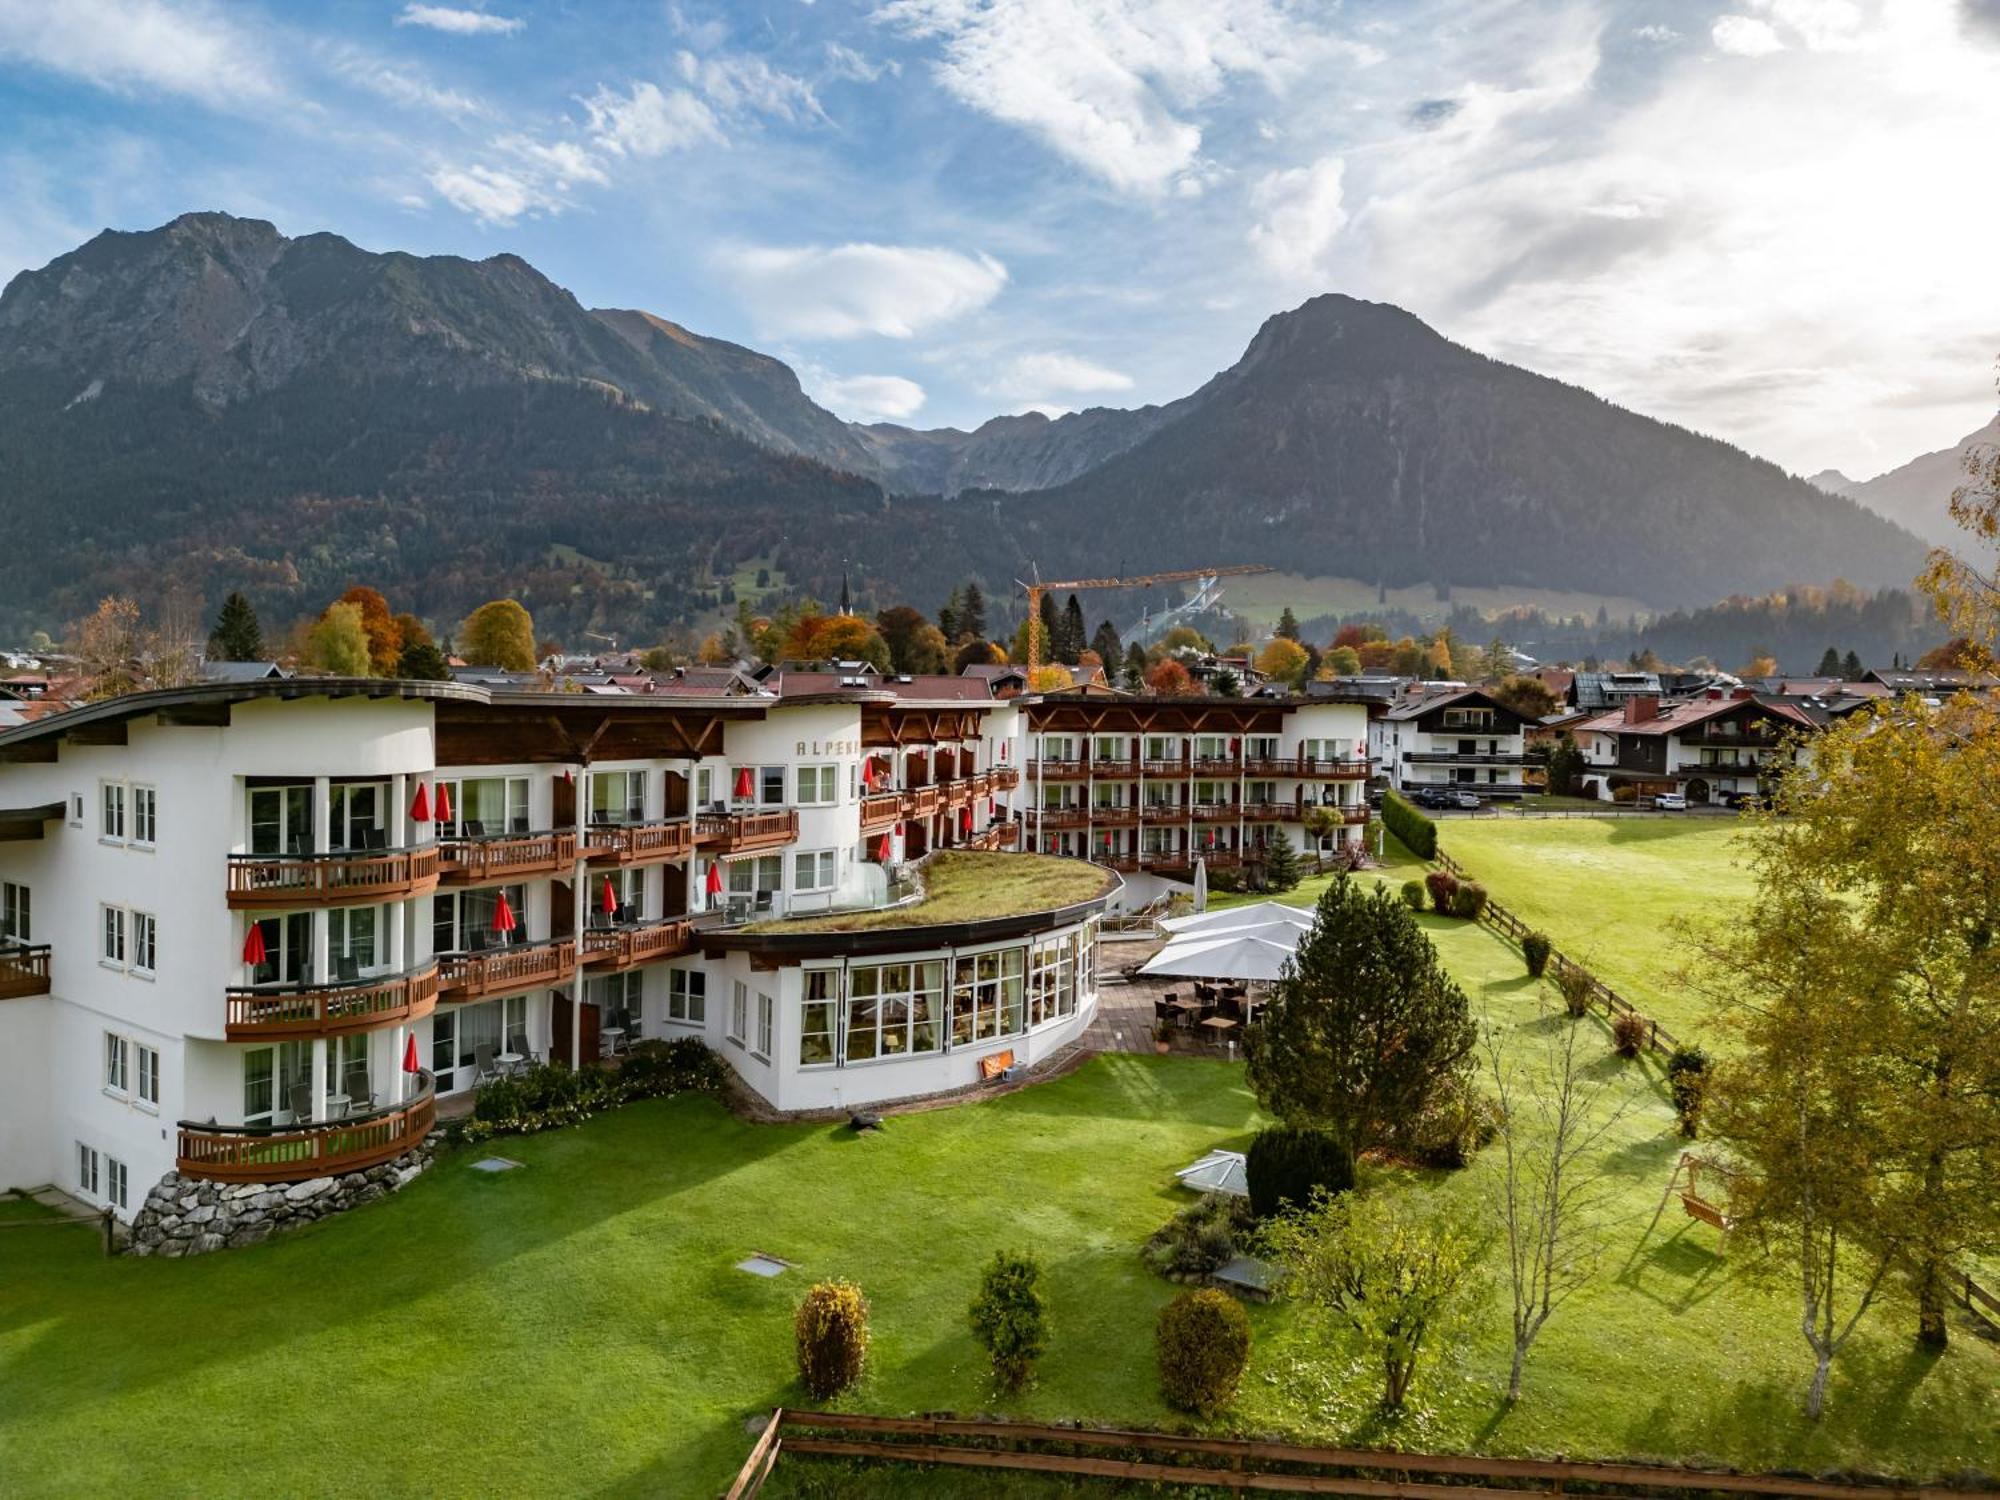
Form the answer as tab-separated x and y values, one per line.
281	820
287	949
357	820
271	1077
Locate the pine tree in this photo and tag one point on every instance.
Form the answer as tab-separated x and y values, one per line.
951	618
972	613
1288	624
1281	863
237	636
1074	635
1105	644
1829	663
1051	623
1851	668
1135	667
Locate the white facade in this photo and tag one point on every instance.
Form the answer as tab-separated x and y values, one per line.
1450	740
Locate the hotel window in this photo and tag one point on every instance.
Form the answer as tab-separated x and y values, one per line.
617	796
819	1011
762	876
819	786
16	912
482	805
111	821
145	934
1107	747
114	1181
1162	747
462	921
814	870
356	821
894	1009
687	996
149	1074
278	1080
353	946
86	1169
771	786
986	996
615	996
281	820
145	816
1052	981
704	785
113	927
739	1012
117	1063
766	1015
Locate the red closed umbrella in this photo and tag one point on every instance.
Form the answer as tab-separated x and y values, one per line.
965	820
714	880
410	1055
884	849
420	809
868	775
444	803
745	788
1003	749
610	899
253	944
503	916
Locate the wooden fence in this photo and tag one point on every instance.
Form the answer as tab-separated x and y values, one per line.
1247	1464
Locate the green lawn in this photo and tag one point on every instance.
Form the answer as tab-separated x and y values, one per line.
961	886
1608	891
1397	865
577	1326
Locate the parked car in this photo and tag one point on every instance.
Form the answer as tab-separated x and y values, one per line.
1670	802
1468	800
1431	796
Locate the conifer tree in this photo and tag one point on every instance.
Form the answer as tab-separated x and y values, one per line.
1851	668
237	635
972	613
1105	643
1281	863
1074	635
1288	624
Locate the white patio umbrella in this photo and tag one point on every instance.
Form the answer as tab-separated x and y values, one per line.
1232	956
1201	885
1256	914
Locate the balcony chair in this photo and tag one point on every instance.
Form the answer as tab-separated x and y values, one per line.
346	970
472	828
300	1097
484	1069
360	1097
375	838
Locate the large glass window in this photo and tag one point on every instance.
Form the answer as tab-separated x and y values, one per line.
278	1081
687	996
1052	980
112	823
894	1009
281	820
486	805
771	786
818	1016
145	816
818	785
16	924
462	921
813	870
353	942
986	995
357	822
617	796
618	1000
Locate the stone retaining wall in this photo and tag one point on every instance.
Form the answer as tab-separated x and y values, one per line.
188	1216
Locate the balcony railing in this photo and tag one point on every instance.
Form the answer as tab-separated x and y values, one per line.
24	970
481	859
1111	769
273	880
632	944
1306	768
293	1153
1457	758
638	843
880	810
999	836
736	833
1058	819
1005	778
1114	817
505	971
274	1012
1164	812
1059	770
921	802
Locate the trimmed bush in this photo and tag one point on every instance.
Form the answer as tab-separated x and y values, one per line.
1203	1342
551	1095
830	1335
1687	1078
1287	1162
1418	833
1443	886
1009	1317
1201	1237
1574	985
1536	948
1469	900
1454	1124
1628	1033
1413	895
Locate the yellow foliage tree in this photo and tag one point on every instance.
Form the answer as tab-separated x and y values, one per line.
500	633
338	644
1283	660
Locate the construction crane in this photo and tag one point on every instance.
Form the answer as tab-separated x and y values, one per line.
1145	580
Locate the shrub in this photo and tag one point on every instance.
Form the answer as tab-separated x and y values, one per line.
1628	1033
1417	833
1201	1237
653	1069
1413	895
1687	1078
1009	1317
1624	794
1469	900
831	1337
1287	1162
1203	1342
1443	886
1536	948
1454	1124
1575	986
550	1094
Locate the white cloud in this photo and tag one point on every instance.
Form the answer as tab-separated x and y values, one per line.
647	122
1657	34
563	162
1302	213
1117	86
196	51
1033	376
492	195
846	291
870	398
397	82
845	62
459	22
735	83
1745	36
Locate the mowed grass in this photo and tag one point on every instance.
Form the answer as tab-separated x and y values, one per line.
1609	892
966	887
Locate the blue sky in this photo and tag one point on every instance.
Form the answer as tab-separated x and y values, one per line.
1767	219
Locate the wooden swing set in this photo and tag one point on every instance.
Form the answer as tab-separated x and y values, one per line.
1687	1179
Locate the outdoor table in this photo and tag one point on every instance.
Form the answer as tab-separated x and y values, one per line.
1220	1024
336	1105
510	1060
611	1036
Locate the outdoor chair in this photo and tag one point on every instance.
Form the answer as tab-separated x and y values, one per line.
374	838
301	1098
347	970
484	1070
360	1098
472	828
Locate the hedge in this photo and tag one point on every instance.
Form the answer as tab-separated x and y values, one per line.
1418	833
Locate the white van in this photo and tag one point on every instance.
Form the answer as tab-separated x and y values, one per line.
1670	802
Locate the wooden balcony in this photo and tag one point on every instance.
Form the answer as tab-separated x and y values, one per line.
260	1013
614	949
922	802
1059	770
1218	765
740	833
1114	770
1164	812
1154	768
493	858
1271	812
999	836
258	881
293	1153
1005	778
1306	768
1061	819
1114	817
1218	812
880	811
24	970
957	793
638	843
505	971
